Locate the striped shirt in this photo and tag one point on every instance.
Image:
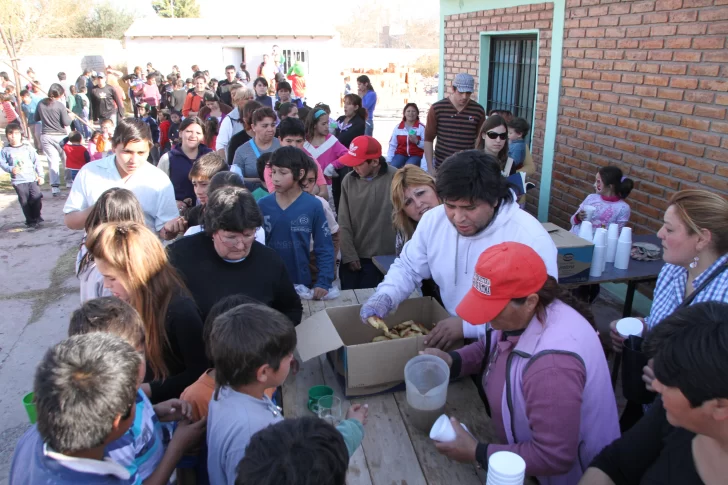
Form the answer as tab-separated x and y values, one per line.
455	130
670	289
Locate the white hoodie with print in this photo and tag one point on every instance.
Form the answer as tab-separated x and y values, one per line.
437	251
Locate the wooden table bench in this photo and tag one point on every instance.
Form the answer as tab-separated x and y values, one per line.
393	451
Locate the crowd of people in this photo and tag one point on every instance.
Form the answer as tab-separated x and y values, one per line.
218	207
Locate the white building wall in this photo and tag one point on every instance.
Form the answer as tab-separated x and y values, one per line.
322	80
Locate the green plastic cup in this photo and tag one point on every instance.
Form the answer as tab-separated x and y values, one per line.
316	393
29	404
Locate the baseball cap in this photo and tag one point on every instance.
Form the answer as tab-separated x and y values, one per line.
503	272
100	74
143	105
464	83
361	149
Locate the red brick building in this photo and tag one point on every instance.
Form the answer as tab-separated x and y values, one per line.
638	84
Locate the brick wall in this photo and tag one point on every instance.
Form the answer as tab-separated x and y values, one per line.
462	54
645	87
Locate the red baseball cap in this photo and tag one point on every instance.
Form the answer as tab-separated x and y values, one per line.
503	272
361	149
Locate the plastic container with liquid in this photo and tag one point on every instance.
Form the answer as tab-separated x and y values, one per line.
426	378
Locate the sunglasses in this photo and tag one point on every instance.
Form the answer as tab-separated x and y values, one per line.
493	135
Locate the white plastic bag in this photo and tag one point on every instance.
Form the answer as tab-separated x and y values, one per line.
306	293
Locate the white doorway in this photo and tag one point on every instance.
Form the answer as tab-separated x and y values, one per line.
233	56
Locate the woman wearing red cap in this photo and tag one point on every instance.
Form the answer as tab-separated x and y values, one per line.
543	369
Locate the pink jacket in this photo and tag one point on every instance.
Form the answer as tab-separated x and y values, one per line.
327	153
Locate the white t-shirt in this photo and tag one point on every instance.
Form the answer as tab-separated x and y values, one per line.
150	185
333	226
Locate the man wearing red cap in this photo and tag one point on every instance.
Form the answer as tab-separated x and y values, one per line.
479	210
546	378
365	214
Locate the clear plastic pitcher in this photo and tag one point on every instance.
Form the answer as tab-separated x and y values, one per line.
427	378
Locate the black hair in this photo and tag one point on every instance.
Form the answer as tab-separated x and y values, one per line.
24	92
311	166
211	130
210	96
151	75
13	127
247	337
222	306
364	79
192	120
230	67
284	86
284	109
109	314
54	92
300	451
225	179
410	105
75	137
130	130
4	75
689	349
355	99
612	175
473	175
291	127
303	112
61	76
292	158
81	386
231	209
520	126
198	74
261	163
260	80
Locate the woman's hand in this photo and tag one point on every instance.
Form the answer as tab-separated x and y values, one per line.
173	410
463	448
648	375
319	293
413	139
445	333
438	353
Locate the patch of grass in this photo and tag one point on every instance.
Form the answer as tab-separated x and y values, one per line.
5	185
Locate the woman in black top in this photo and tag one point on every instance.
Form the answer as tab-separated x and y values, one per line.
349	126
135	268
226	260
54	117
683	438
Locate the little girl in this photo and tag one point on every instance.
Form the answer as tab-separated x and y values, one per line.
608	202
93	142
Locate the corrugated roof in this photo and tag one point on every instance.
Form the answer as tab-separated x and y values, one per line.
161	27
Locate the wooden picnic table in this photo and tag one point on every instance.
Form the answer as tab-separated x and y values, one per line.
393	451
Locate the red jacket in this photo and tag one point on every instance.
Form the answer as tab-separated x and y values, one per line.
298	84
400	143
164	132
76	156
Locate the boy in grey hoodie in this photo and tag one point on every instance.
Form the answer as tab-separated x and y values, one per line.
26	173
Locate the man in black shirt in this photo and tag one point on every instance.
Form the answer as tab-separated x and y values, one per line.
223	87
109	104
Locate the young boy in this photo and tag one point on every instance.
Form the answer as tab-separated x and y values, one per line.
308	184
291	133
164	124
365	214
26	173
175	119
146	116
291	217
517	131
76	154
82	110
29	103
84	388
141	449
202	171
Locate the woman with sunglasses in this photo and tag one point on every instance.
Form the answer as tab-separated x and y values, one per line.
493	140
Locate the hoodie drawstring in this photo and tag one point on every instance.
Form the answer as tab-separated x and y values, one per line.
457	245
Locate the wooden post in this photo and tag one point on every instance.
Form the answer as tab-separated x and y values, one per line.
10	47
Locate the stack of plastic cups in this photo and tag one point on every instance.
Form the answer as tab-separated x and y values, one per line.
506	468
600	250
585	230
624	249
612	239
601	234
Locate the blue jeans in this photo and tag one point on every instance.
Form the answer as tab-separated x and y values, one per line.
369	129
399	161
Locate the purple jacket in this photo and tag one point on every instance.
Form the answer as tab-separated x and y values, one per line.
565	332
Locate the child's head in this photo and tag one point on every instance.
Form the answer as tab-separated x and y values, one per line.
308	182
175	117
610	182
10	88
85	389
82	89
252	345
107	127
365	156
518	129
292	132
151	78
25	96
212	127
95	136
224	179
302	451
262	162
317	123
142	109
73	90
14	132
163	115
288	166
284	91
203	170
114	205
75	137
287	110
222	306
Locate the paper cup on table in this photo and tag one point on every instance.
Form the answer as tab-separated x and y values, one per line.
597	261
613	231
506	468
624	251
626	235
589	209
442	430
630	326
585	230
600	237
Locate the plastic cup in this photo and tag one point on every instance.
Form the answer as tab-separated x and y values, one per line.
626	235
506	468
29	405
624	251
597	261
600	237
613	231
442	430
630	326
315	393
328	408
585	231
412	132
589	209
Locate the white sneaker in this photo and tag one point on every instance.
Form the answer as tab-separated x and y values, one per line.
55	191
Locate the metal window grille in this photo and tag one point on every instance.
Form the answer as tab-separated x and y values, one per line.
512	76
291	56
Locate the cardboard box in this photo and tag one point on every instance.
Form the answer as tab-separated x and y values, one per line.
366	367
574	254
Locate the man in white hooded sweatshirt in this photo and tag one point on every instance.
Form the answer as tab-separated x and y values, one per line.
479	210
